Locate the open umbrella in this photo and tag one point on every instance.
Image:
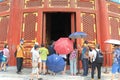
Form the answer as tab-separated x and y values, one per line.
77	35
113	41
55	63
63	46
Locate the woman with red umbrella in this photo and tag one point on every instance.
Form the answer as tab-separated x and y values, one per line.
63	46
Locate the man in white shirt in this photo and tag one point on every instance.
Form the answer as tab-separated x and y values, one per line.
93	54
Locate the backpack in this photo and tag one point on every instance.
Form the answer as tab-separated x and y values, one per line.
99	57
15	54
1	55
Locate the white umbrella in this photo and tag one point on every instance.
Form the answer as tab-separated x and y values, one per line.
113	41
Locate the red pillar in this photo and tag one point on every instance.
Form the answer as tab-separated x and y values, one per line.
72	22
14	28
104	30
40	27
78	28
104	24
44	29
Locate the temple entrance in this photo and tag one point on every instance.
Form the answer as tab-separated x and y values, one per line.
57	25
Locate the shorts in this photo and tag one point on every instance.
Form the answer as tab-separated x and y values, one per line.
39	60
4	59
34	70
34	64
44	61
115	68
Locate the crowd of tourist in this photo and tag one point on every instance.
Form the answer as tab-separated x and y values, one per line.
89	58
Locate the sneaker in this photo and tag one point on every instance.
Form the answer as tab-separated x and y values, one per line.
4	70
0	70
83	75
18	72
40	73
44	74
40	78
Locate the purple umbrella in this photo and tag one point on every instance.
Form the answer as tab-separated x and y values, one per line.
77	35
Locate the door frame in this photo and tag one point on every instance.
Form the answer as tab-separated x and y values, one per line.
73	24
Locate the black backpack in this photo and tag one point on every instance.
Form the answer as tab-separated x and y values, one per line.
1	53
15	54
99	57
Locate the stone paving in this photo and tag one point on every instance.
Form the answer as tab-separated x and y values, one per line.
10	74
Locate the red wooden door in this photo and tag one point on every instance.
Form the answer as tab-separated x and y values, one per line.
4	20
28	33
88	25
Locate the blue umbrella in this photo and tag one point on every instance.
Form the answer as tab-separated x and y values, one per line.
77	35
55	63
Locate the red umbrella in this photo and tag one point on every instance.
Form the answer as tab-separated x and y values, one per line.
63	46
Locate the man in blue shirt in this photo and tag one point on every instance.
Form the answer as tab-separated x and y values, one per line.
84	58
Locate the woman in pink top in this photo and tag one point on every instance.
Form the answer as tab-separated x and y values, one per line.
73	61
6	52
6	55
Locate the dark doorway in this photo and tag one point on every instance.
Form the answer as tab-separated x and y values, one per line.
57	25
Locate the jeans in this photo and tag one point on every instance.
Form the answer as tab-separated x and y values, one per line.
73	67
19	64
94	65
85	66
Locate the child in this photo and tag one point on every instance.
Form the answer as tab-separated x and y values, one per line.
35	59
43	55
5	57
